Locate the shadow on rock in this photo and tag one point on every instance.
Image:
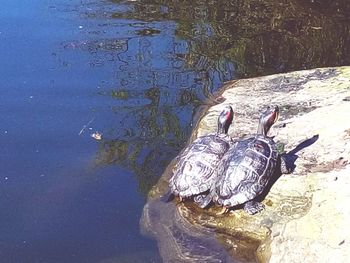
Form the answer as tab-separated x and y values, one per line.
290	158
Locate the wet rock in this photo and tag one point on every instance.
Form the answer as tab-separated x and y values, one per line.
307	212
182	241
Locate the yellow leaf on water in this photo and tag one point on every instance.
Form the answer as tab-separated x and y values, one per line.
96	135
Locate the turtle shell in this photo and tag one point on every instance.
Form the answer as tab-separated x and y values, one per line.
194	172
245	170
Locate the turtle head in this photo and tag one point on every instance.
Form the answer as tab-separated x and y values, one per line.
267	119
225	120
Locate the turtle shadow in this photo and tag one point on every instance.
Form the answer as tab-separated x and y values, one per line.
290	158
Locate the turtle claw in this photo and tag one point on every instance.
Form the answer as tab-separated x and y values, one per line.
223	211
253	207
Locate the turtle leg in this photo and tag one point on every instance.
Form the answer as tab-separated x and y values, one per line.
253	207
203	200
224	210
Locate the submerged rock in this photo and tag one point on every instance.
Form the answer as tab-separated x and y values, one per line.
307	212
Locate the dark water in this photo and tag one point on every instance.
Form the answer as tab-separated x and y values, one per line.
138	72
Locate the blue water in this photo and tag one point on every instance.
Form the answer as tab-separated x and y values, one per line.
69	69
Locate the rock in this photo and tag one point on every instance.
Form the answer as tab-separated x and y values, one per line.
181	241
307	212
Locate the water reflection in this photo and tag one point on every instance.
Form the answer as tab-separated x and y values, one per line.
262	37
155	100
158	86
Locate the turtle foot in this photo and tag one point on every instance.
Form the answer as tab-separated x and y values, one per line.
253	207
224	210
202	200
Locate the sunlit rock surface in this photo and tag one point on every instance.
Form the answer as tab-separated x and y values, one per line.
307	213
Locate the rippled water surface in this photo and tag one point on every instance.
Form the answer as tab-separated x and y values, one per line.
137	72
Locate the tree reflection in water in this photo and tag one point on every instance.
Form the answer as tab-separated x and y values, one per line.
262	37
156	97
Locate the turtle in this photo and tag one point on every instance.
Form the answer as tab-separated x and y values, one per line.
195	170
245	169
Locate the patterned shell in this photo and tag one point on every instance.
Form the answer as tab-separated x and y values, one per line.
245	170
194	172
